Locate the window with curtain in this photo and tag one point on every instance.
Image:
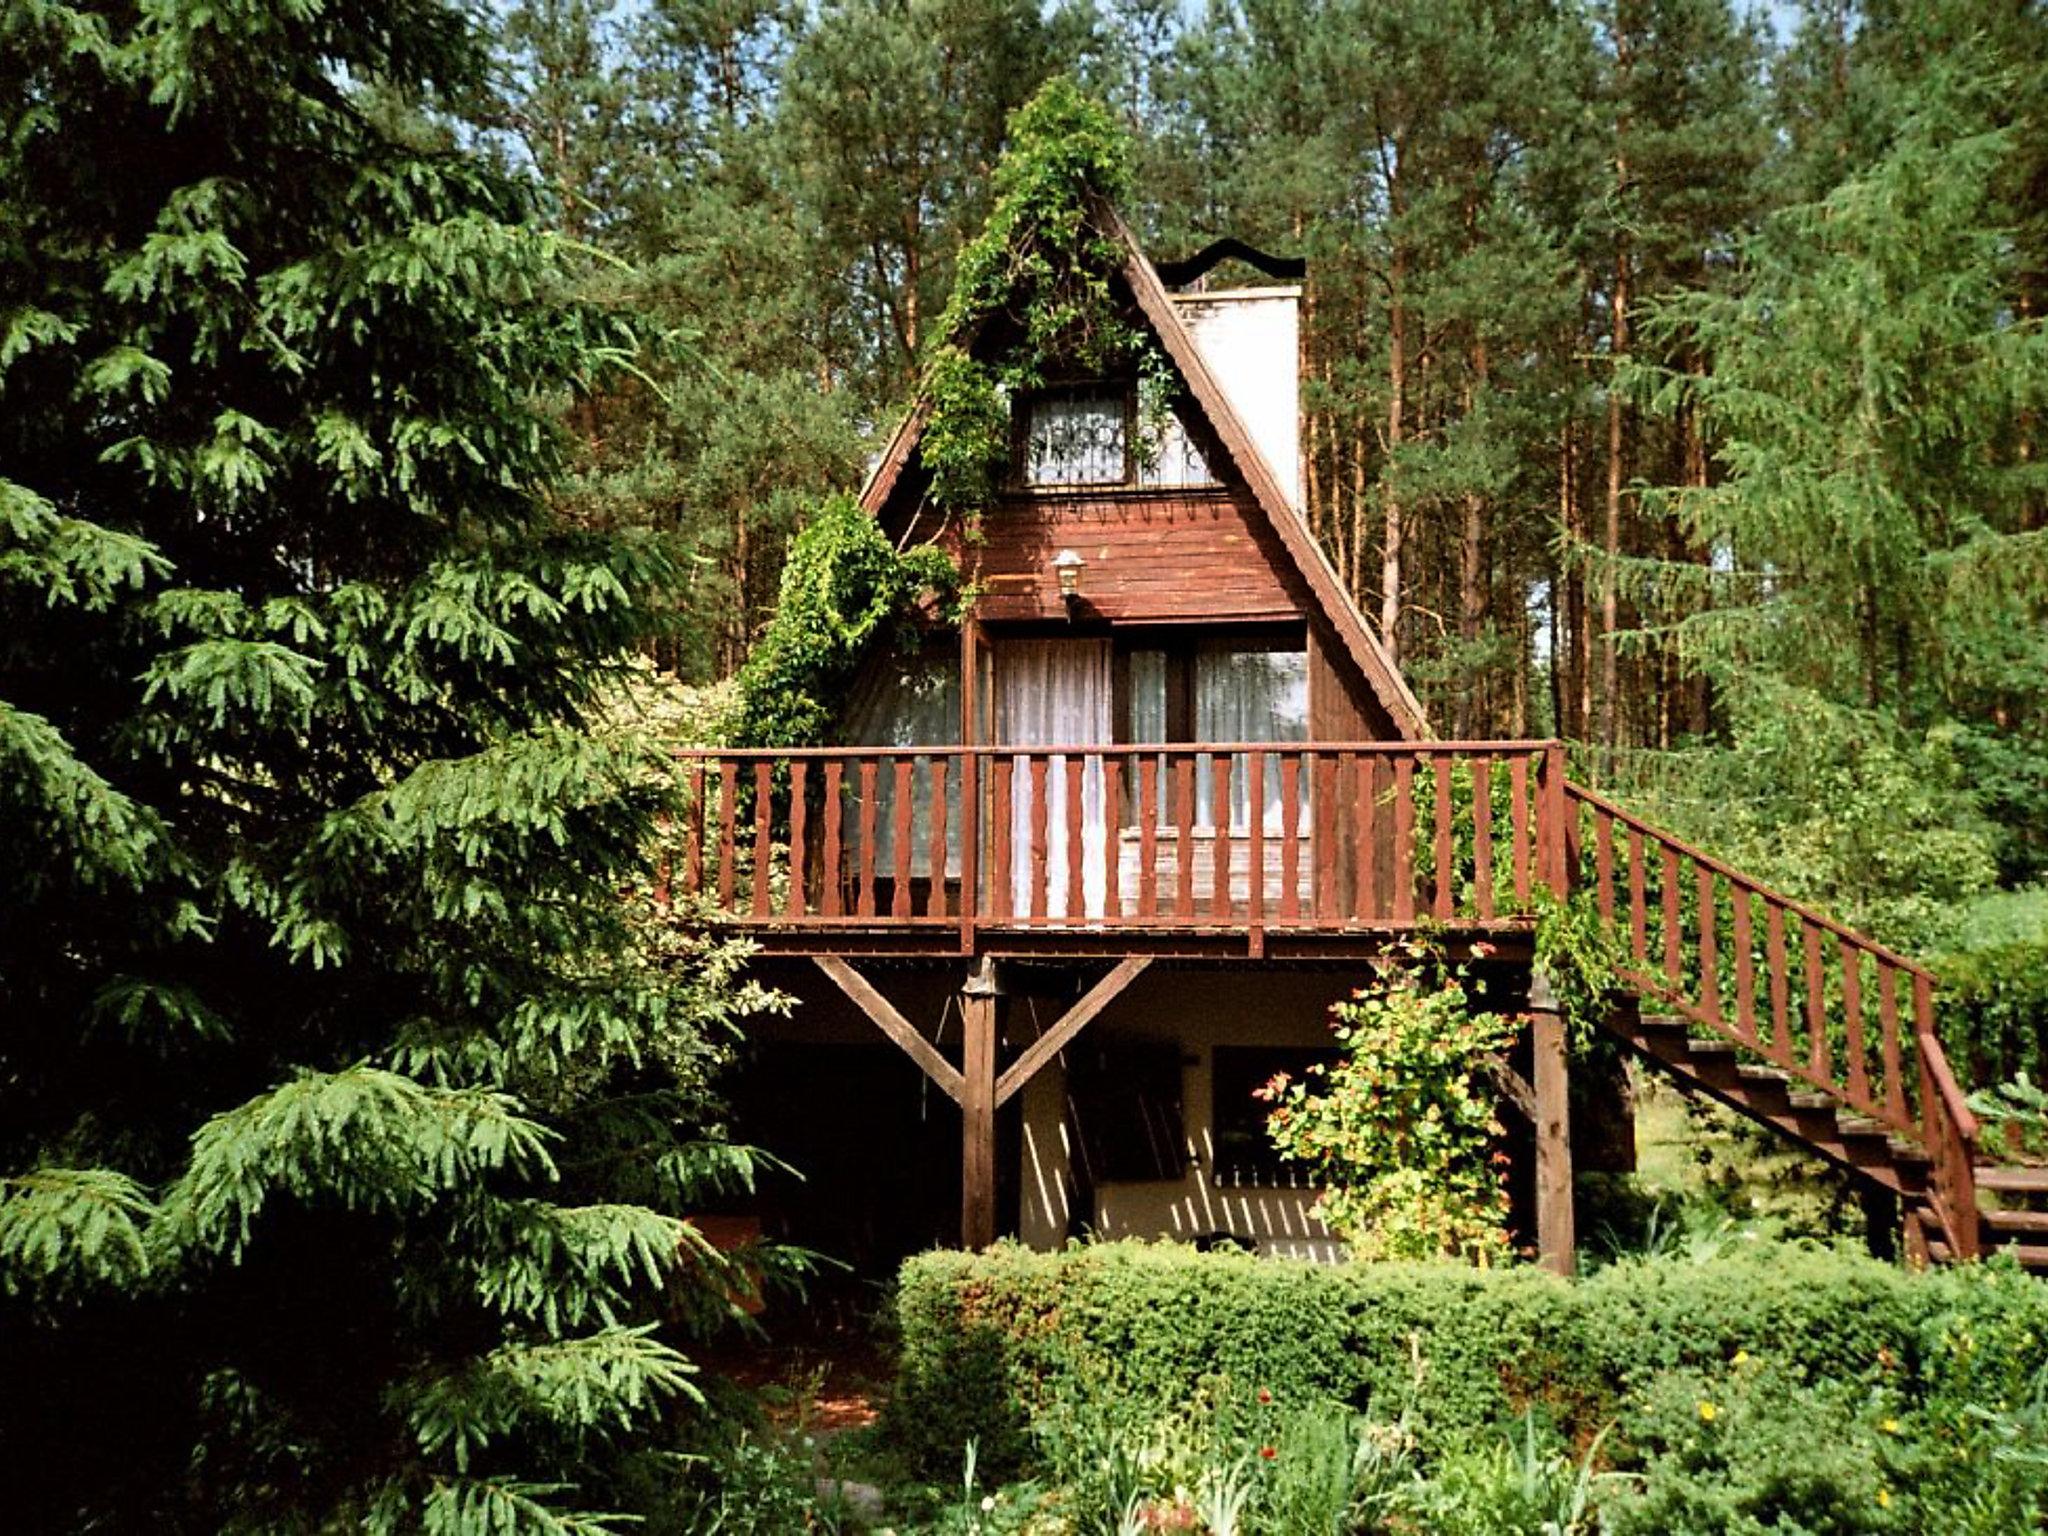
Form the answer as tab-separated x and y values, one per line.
1089	436
1219	690
1077	437
1245	694
907	701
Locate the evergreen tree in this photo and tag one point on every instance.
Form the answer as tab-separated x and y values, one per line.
1874	612
347	1111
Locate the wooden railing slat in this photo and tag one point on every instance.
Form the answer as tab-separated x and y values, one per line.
1002	813
1112	856
830	875
1077	851
1148	837
1817	1057
1365	858
1323	802
693	847
1482	837
869	771
1518	818
1443	905
764	818
1709	948
799	851
1638	900
1745	963
728	855
1290	837
1041	845
1893	1055
899	835
1404	840
935	888
1603	864
1219	856
1857	1064
1674	936
1184	834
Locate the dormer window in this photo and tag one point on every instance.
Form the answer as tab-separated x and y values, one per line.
1090	435
1078	437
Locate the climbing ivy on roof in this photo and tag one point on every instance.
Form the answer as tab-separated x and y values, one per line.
1039	272
844	584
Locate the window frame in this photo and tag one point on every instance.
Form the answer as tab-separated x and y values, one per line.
1182	644
1125	391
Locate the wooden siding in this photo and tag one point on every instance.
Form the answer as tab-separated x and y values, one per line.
1153	557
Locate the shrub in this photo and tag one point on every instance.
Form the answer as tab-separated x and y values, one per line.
995	1343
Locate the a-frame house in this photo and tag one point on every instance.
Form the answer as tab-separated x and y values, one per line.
1092	866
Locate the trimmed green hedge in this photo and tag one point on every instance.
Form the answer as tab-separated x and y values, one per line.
989	1341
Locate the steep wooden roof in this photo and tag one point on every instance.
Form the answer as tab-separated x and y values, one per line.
1299	543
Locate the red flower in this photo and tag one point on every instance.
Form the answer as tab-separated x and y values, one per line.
1269	1451
1265	1396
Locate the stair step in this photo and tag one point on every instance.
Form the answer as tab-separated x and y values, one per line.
2014	1180
1812	1099
2035	1222
1772	1076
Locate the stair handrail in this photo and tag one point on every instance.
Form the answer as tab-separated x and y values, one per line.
1945	1126
1728	871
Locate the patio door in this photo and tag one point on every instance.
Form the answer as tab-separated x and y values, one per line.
1056	693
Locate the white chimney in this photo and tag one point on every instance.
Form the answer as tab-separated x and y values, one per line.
1251	340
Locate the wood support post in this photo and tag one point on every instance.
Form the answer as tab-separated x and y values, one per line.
979	1003
1556	1240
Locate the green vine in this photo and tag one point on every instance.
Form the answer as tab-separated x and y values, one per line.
1038	279
844	583
1580	954
1040	274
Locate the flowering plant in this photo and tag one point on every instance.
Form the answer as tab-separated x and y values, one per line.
1399	1131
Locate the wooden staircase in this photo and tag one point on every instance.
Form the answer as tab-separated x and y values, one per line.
1804	1026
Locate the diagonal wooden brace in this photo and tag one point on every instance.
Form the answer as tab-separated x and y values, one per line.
899	1029
1071	1023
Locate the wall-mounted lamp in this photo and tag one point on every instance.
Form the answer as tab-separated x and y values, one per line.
1067	566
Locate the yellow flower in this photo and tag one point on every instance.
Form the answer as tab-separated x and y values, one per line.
1742	1357
1890	1426
1884	1498
1707	1412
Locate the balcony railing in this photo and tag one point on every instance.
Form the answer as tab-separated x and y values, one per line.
1253	837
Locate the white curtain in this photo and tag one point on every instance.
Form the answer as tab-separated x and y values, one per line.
906	701
1055	693
1249	695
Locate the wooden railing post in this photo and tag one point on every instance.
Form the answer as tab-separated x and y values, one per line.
979	999
1551	840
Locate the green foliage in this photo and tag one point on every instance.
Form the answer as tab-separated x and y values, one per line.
1039	276
996	1344
845	585
352	1102
1753	1448
1398	1131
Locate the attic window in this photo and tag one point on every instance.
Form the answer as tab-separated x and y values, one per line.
1089	435
1078	437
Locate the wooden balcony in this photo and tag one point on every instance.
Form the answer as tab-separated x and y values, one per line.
1214	849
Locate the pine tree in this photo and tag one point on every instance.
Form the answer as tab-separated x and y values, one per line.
349	1106
1871	612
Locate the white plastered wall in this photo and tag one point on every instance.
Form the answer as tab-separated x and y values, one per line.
1251	340
1199	1011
